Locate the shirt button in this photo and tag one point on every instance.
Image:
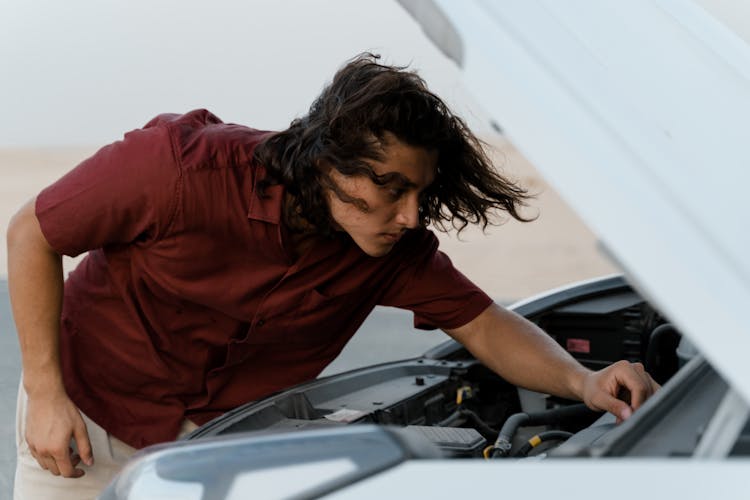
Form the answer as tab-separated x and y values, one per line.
260	323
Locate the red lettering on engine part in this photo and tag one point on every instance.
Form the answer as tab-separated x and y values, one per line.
578	345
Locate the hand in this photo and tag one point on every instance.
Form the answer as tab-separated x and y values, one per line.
620	389
50	424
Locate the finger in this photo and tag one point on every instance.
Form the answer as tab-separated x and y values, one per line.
50	465
623	394
81	435
44	460
34	454
655	385
616	407
39	460
63	463
647	380
75	459
628	377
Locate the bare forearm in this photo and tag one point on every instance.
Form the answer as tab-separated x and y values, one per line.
522	353
35	282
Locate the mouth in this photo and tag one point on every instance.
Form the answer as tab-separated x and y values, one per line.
392	237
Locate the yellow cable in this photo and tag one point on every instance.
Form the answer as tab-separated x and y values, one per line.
487	451
461	392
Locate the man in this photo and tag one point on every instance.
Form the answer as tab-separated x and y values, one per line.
227	263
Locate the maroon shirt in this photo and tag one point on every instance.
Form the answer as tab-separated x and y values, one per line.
189	302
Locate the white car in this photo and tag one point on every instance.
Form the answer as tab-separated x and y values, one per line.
637	112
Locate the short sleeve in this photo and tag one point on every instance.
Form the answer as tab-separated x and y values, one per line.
438	294
125	192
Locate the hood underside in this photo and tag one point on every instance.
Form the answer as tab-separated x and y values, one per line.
636	112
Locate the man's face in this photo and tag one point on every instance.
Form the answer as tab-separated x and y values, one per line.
392	208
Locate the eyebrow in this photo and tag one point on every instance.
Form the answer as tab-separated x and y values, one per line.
393	177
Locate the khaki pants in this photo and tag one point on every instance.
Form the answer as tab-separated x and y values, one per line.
110	454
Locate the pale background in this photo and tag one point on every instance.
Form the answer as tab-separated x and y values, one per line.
78	74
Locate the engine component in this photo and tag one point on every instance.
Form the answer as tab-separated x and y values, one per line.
540	438
454	441
503	443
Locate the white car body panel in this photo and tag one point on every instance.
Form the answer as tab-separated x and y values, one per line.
613	479
637	113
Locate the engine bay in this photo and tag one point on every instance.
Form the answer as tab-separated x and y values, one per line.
453	401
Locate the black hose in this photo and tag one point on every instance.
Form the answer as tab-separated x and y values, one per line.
554	415
482	428
529	445
661	357
504	440
451	420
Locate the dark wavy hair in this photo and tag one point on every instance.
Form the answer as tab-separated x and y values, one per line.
346	126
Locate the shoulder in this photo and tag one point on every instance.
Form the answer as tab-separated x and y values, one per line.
200	139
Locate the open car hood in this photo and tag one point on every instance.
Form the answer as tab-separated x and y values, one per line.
637	113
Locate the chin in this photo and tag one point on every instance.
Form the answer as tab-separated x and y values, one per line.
378	253
376	250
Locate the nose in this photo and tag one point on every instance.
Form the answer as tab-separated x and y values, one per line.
408	212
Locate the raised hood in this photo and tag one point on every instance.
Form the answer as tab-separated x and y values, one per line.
637	112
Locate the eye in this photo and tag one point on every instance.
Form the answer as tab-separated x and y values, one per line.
396	192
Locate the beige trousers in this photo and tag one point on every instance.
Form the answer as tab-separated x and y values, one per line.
110	454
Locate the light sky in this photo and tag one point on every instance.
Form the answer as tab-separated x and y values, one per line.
82	72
